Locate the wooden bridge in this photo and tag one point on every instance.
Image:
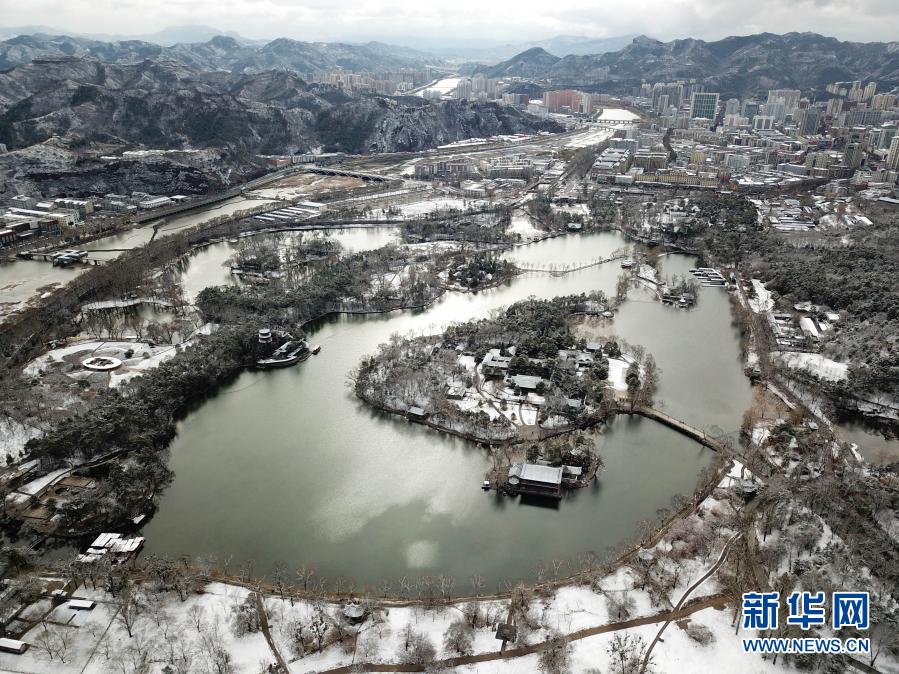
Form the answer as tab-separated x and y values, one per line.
710	441
556	270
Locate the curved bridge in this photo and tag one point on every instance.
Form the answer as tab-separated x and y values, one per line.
697	434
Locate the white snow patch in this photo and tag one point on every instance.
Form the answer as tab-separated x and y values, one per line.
762	301
815	363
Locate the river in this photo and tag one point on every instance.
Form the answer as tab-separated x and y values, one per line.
110	247
287	465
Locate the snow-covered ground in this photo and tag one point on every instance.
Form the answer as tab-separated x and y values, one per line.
522	225
13	436
609	114
441	87
98	640
144	357
762	301
424	207
502	138
593	135
618	370
815	363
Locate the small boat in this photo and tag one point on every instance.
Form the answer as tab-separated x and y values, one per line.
627	264
232	241
315	349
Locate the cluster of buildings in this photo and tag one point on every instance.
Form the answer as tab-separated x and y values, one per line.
569	102
478	87
791	215
478	178
781	140
24	216
388	83
138	201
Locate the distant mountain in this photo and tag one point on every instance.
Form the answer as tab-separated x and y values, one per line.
180	34
218	53
571	44
164	38
531	63
735	66
167	104
560	44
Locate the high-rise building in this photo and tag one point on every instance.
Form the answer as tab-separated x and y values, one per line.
870	90
883	101
807	121
834	107
775	109
704	105
731	106
763	122
463	89
856	147
893	156
887	134
863	117
789	97
749	109
662	103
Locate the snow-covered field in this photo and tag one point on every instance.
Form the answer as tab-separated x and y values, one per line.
445	204
618	370
815	363
522	225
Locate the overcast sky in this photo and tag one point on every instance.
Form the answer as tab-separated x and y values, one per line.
464	21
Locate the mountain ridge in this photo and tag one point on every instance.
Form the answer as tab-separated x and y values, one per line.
735	65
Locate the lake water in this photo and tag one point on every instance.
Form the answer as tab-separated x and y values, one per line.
209	265
289	466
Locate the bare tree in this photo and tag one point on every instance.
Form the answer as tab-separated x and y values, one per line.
458	638
555	658
196	613
214	652
55	641
245	616
417	650
131	607
626	655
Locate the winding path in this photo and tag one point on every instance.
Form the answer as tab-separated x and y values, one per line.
669	616
263	626
687	593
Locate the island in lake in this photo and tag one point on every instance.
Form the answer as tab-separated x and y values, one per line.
522	382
